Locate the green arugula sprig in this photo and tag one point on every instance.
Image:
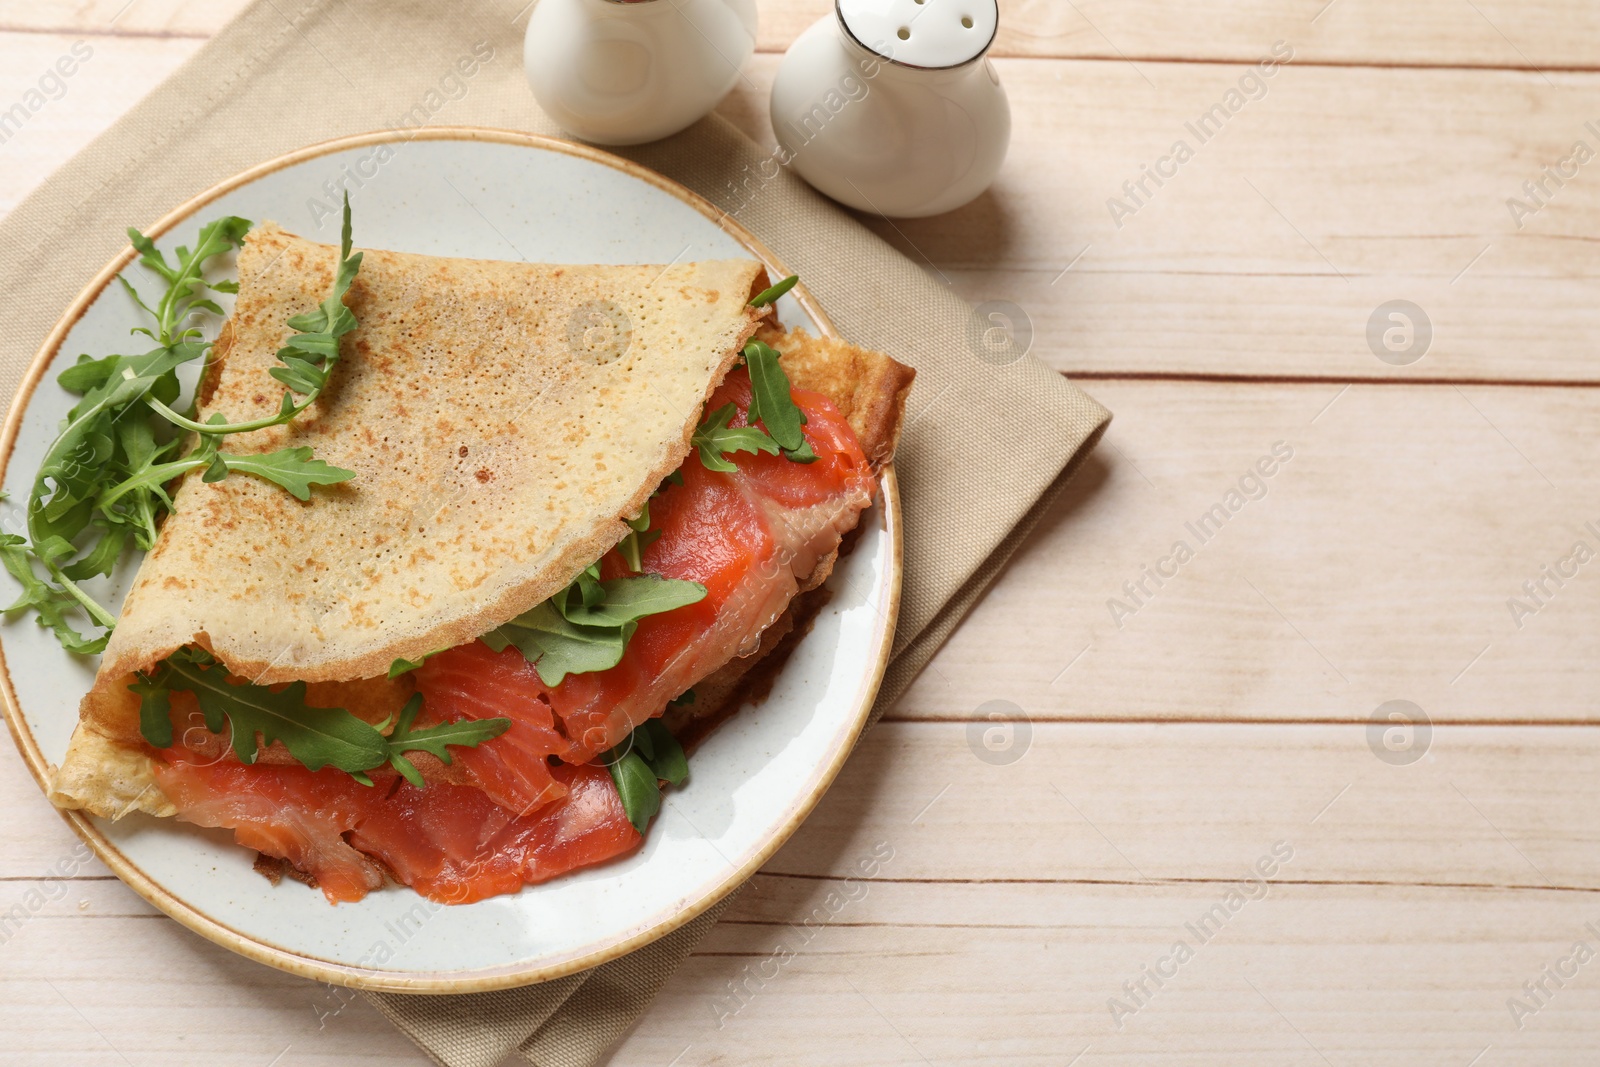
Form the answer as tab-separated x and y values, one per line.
186	284
716	439
770	402
101	486
467	733
317	737
770	296
771	405
586	627
406	666
638	766
52	603
638	538
109	431
308	356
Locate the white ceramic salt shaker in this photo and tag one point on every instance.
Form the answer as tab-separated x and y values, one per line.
629	71
891	106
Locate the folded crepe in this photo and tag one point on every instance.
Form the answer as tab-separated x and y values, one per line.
505	422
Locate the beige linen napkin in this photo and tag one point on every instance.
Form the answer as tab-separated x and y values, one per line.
985	450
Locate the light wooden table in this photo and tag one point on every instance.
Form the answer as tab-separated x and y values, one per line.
1170	747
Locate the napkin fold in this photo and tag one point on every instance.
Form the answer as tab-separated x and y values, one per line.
986	448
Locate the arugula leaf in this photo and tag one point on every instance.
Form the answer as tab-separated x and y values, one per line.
768	296
637	787
556	647
315	736
648	757
292	468
88	373
682	699
101	558
587	586
631	599
50	603
661	751
308	356
155	707
186	285
586	627
638	538
405	666
465	732
772	405
76	461
715	439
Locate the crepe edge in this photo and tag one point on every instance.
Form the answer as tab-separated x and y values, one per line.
106	777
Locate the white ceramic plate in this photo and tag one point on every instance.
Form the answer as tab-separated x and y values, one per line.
493	195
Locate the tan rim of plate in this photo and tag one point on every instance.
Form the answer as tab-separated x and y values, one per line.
436	981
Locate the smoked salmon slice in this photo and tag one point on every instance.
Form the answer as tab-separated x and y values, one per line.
282	810
454	845
475	682
450	843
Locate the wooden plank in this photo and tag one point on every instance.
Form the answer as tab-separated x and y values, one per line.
1500	33
1108	803
100	978
1208	277
1271	250
140	18
986	974
1382	562
1092	324
1014	898
1543	33
1139	805
1023	975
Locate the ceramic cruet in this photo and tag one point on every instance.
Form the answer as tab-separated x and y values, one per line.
892	106
629	71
